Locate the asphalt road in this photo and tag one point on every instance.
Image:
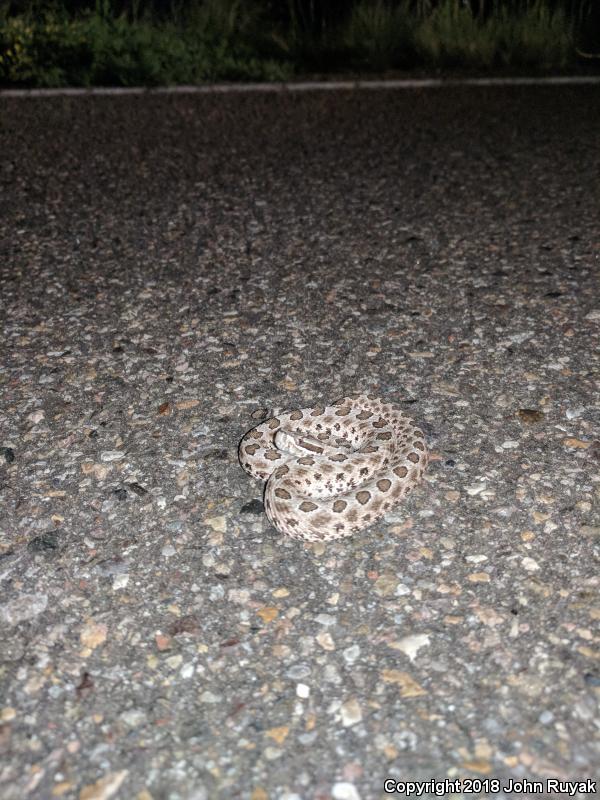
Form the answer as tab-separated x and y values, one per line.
173	268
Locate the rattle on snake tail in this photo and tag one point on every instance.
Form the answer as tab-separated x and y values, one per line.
333	470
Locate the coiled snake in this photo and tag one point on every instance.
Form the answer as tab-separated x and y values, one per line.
333	470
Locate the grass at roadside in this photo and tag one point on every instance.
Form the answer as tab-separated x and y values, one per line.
214	40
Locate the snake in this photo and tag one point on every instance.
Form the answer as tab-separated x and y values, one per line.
332	470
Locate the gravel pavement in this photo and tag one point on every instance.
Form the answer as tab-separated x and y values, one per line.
174	268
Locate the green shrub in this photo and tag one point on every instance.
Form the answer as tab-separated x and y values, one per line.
539	38
128	54
452	36
380	36
211	40
17	51
533	36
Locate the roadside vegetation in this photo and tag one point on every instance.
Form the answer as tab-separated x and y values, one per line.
132	43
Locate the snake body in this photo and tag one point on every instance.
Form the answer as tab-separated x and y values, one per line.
333	470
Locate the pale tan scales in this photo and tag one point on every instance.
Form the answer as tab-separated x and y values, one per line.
333	470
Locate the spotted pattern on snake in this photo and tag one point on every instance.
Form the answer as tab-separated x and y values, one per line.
333	470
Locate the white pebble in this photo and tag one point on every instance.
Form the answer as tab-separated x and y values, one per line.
475	488
120	581
112	455
187	671
344	791
410	645
519	338
529	564
210	697
351	653
22	608
351	712
325	619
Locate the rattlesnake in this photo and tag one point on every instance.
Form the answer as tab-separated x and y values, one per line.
332	470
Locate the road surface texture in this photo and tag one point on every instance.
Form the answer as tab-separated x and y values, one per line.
173	269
